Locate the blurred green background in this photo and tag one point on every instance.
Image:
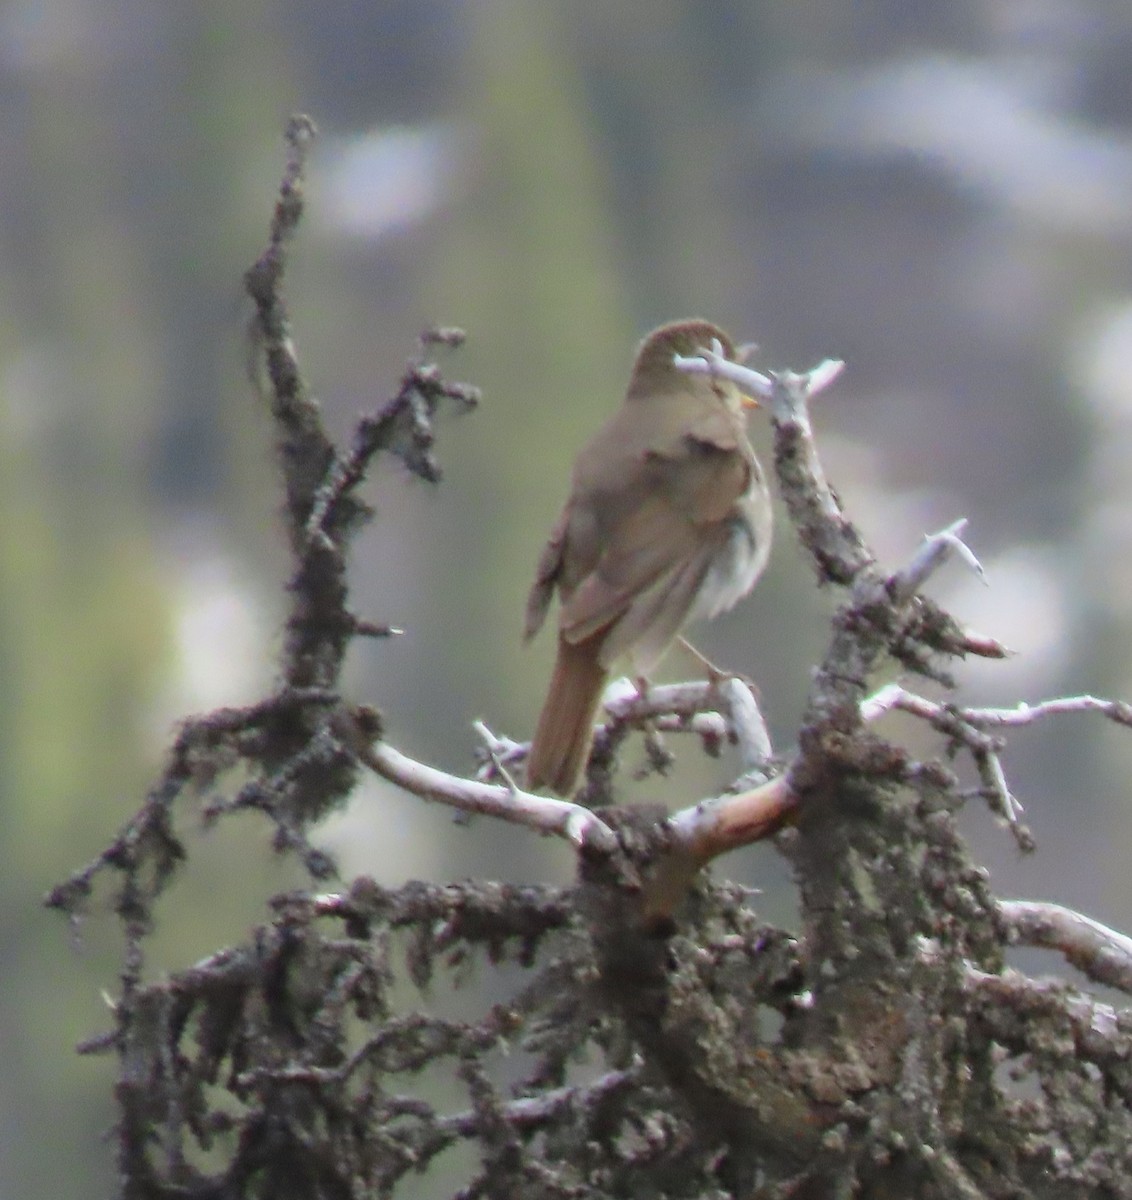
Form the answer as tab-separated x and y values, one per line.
939	193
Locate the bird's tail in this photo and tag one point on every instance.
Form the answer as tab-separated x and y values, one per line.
561	745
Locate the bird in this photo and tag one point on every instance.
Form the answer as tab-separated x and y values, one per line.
668	520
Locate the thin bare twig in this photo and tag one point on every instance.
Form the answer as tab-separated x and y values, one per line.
578	825
984	750
715	710
893	696
531	1112
697	706
935	551
967	725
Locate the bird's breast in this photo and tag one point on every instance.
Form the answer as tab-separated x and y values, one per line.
741	557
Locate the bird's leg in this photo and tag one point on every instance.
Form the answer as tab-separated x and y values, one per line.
715	675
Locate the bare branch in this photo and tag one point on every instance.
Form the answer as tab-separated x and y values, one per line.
745	721
578	825
711	361
957	725
722	823
944	716
531	1112
966	726
696	706
838	551
936	550
715	710
1101	953
1028	714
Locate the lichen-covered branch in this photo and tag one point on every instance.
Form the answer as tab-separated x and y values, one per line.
1098	952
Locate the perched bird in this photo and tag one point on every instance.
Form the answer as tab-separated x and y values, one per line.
668	520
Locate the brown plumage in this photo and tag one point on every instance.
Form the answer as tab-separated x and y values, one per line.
668	520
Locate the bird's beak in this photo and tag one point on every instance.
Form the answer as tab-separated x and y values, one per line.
748	401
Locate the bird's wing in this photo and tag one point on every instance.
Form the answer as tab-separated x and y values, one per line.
707	466
655	615
646	544
657	553
546	576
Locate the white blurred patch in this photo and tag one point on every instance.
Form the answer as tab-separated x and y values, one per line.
1103	362
221	635
387	833
892	520
1107	551
384	180
992	124
1024	604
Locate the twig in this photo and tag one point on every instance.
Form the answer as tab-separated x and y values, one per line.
716	711
578	825
936	550
999	796
497	751
530	1112
957	724
967	726
711	361
402	425
697	706
893	696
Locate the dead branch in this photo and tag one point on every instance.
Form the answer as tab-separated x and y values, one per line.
1102	954
670	1043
